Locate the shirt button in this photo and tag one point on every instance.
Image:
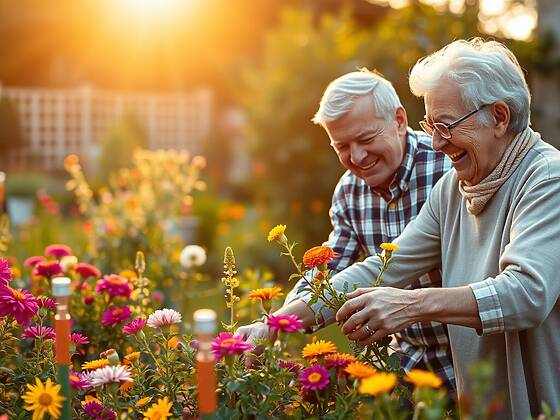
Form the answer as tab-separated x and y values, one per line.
393	205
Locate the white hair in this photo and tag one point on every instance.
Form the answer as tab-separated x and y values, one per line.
341	94
485	72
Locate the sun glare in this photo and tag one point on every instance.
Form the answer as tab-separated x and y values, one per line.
150	9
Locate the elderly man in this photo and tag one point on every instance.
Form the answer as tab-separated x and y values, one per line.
391	171
492	224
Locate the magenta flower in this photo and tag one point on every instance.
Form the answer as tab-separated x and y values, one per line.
79	381
314	378
47	269
87	270
58	250
5	272
46	302
115	285
134	326
38	331
290	366
163	317
33	261
285	323
228	345
21	304
79	339
115	315
98	411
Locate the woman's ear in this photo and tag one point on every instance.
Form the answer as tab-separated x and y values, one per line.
500	117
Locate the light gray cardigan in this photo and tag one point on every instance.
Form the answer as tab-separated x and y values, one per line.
510	256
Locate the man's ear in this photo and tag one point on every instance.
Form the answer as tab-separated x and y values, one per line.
501	116
402	120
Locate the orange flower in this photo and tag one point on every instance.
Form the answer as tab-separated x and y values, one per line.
266	293
360	370
423	378
318	348
379	383
318	255
132	356
385	246
125	386
71	160
173	342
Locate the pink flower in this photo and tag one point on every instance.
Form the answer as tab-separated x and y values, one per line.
78	338
58	250
134	326
314	378
47	269
285	323
115	315
98	411
21	304
163	317
46	302
228	345
87	270
79	381
115	285
33	261
5	272
38	331
290	366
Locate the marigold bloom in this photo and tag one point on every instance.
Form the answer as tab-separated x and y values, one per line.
97	411
285	323
38	331
47	269
114	285
58	250
318	348
110	374
43	399
158	410
33	261
124	387
79	381
423	378
132	356
338	360
192	256
163	317
95	364
129	274
21	304
228	345
318	256
142	402
5	272
386	246
360	370
265	293
134	326
115	315
277	234
85	270
78	338
379	383
314	378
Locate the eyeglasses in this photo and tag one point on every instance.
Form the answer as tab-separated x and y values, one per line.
444	130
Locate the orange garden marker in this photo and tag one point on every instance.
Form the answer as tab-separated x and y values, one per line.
61	291
204	328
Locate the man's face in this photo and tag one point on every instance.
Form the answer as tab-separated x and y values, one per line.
472	148
370	147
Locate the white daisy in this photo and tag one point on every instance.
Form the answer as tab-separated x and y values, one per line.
110	374
192	256
163	317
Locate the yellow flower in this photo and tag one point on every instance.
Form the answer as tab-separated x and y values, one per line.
159	410
389	247
132	356
95	364
129	274
423	378
173	342
377	384
360	370
266	293
277	234
43	399
318	348
142	402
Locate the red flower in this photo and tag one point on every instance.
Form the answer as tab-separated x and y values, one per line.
87	270
47	269
318	255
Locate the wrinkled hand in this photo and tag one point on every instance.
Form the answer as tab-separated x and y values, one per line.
253	332
373	313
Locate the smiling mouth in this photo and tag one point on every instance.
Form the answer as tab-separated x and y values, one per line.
371	165
457	156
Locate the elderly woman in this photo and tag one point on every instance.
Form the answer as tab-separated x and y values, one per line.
493	224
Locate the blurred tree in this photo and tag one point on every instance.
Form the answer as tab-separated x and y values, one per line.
11	136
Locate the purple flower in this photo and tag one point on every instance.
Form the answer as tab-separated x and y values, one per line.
78	338
228	345
285	323
115	315
38	331
134	326
21	304
98	411
314	378
115	285
47	269
58	250
5	272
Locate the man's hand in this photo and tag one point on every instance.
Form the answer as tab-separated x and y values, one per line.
373	313
253	333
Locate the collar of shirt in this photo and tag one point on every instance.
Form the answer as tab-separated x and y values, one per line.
402	175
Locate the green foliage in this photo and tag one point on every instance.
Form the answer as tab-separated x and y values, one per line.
24	184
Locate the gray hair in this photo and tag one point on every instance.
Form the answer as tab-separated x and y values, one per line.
485	72
341	93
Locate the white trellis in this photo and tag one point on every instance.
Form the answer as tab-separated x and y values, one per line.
57	122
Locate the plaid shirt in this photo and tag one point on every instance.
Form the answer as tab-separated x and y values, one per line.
363	218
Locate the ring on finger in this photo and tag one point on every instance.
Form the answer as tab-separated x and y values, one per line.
369	330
